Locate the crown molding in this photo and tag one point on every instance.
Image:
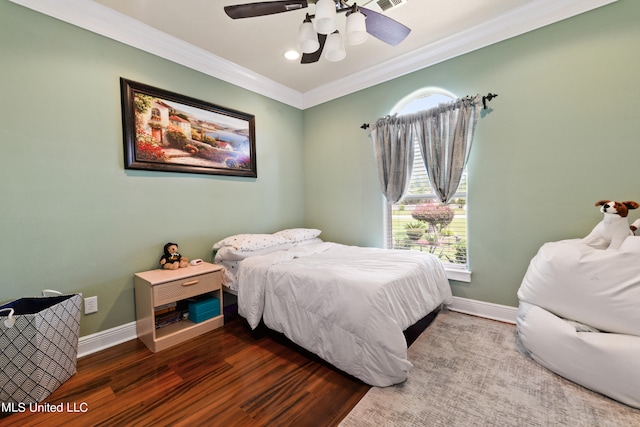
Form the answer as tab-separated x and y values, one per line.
97	18
104	21
527	18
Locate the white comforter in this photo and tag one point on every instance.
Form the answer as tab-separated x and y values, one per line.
349	305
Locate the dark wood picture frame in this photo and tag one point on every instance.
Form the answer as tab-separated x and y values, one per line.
165	131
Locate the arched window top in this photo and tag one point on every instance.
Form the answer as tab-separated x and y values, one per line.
422	99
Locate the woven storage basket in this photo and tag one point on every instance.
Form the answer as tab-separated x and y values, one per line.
39	351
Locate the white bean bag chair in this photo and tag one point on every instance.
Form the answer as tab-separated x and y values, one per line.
579	315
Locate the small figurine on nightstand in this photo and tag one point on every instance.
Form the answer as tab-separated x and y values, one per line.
172	260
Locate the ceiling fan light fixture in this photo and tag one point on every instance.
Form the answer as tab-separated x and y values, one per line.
325	17
307	38
334	48
356	29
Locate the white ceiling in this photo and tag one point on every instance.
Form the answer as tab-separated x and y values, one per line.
259	43
198	34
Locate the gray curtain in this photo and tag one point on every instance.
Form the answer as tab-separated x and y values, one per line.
393	148
445	135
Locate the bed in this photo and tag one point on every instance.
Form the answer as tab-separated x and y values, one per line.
348	305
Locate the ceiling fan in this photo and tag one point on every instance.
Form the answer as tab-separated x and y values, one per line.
320	29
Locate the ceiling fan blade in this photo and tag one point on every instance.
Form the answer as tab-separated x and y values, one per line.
250	10
310	58
384	28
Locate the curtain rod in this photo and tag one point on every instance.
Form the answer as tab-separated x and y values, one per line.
487	97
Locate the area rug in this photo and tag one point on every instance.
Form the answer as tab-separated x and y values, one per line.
469	372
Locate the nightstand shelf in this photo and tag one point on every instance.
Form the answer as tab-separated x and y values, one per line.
156	288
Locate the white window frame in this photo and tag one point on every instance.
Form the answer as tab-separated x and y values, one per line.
453	271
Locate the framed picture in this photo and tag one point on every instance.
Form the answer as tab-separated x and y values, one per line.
164	131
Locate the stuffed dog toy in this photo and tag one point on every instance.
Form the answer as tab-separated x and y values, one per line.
614	227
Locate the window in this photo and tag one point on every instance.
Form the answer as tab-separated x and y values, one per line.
155	114
418	222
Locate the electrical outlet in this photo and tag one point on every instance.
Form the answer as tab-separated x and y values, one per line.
90	305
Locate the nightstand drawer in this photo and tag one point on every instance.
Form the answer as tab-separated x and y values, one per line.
185	288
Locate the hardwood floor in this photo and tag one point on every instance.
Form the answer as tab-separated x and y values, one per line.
228	377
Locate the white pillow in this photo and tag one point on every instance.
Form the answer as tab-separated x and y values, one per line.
229	253
307	242
298	234
251	242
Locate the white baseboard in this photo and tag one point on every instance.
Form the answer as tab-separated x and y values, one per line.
488	310
93	343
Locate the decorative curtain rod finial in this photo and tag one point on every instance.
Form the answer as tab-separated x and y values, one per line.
488	97
364	126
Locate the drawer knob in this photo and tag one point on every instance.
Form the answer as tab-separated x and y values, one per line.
193	282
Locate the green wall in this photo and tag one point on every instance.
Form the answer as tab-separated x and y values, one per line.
71	217
563	133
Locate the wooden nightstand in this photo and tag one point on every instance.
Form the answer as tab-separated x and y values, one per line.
159	288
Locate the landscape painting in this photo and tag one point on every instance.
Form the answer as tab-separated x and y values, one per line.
168	132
